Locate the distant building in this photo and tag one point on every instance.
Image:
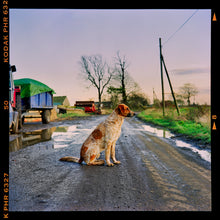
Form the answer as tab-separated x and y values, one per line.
61	100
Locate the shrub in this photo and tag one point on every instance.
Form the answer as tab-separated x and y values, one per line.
196	112
138	101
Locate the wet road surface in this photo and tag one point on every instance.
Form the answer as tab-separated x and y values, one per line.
155	173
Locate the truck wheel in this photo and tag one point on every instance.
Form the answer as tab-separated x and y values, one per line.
46	116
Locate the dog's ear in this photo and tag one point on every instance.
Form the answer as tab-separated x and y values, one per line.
118	110
121	107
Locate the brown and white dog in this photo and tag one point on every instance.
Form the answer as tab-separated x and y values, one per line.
104	137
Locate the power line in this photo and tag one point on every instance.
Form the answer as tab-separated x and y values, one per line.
181	26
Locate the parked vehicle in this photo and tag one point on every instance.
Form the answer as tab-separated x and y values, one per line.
35	96
89	106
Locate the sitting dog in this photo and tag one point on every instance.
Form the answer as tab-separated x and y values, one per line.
104	137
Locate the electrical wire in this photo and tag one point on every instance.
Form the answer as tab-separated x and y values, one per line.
180	27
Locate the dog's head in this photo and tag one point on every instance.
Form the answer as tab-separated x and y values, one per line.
123	110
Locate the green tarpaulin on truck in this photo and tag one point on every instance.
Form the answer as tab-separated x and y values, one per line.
30	87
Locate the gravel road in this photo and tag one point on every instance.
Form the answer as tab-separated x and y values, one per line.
154	174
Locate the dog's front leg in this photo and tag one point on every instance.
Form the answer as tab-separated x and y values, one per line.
107	155
113	153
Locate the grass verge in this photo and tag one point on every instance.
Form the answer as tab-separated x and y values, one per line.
192	122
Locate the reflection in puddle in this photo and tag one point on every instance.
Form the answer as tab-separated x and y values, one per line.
73	134
204	154
61	137
30	138
159	132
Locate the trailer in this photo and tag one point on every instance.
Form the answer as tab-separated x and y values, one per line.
35	96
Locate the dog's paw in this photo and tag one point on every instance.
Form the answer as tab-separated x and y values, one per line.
117	162
110	164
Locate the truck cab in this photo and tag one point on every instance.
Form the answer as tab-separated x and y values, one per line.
14	103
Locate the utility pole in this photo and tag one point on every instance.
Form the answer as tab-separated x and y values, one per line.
161	70
154	95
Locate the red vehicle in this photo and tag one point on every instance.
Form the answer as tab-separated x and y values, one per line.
15	121
89	106
17	91
90	109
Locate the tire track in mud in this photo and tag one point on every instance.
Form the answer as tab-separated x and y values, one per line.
179	183
159	188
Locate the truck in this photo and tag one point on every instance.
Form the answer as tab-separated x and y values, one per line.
35	96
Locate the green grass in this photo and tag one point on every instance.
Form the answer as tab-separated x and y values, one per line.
71	115
194	128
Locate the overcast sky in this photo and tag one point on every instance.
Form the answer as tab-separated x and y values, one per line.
46	45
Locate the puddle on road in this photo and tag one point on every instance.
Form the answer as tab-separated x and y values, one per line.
61	136
64	136
204	154
159	132
26	139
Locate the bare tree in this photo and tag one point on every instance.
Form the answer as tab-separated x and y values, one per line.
187	91
122	84
97	72
120	70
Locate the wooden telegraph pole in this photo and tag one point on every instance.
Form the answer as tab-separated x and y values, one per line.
161	70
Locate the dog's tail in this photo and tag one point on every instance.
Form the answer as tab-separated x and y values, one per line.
72	159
